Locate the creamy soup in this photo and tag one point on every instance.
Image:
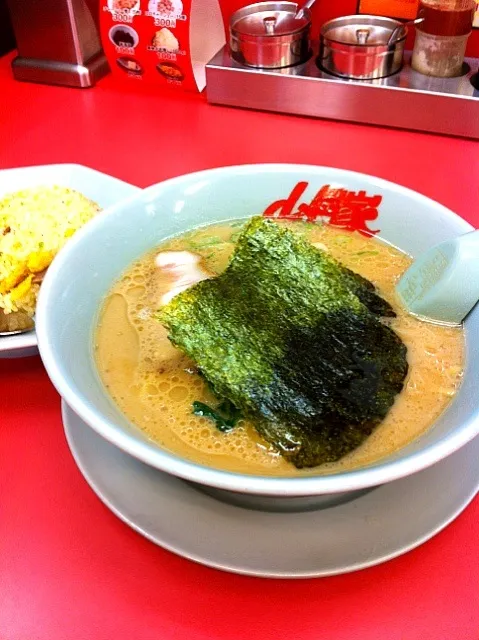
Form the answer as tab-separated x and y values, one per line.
155	385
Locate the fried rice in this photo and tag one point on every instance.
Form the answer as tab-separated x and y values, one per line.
34	225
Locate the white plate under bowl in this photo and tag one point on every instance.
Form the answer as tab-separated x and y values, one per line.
99	187
376	527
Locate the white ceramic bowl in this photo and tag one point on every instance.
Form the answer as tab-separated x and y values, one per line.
83	273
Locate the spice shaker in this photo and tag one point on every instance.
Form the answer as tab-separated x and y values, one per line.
441	38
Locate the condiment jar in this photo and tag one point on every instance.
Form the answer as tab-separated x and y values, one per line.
442	37
268	35
359	47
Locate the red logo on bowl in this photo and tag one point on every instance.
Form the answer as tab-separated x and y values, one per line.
341	208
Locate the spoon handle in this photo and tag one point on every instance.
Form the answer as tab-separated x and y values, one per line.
397	32
307	5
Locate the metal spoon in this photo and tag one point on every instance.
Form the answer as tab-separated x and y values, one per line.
30	324
395	33
307	5
442	285
23	324
5	334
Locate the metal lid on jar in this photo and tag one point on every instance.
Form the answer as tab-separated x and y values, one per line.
362	30
269	19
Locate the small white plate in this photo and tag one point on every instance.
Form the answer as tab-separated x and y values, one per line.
379	526
99	187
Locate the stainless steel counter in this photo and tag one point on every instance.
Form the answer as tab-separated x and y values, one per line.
406	100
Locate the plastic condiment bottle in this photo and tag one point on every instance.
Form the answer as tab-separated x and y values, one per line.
441	39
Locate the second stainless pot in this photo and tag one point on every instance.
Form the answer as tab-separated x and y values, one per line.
269	35
356	47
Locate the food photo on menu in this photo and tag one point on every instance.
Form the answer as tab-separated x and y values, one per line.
239	320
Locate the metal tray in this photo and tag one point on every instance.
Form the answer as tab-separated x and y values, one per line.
407	100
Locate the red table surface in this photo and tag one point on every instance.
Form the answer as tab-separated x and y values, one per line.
69	569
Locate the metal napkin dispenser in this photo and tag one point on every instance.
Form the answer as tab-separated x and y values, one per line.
58	42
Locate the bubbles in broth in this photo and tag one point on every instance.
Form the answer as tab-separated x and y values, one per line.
154	384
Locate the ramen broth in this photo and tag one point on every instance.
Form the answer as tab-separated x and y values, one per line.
154	384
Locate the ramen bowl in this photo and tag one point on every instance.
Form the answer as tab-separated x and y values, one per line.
84	272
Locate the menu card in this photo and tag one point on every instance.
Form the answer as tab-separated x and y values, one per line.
161	42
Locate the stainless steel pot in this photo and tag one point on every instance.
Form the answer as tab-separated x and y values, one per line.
357	47
268	35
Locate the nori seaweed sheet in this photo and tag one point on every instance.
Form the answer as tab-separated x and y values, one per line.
295	341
